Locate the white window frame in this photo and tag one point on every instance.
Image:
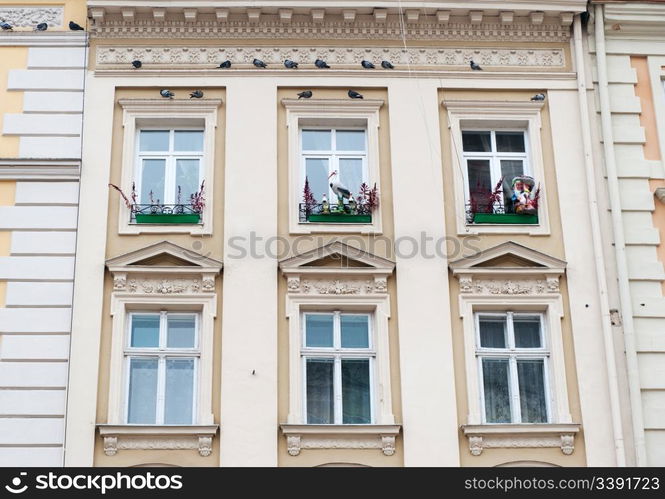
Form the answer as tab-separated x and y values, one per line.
162	353
331	113
497	115
494	157
551	309
513	353
337	353
333	156
125	303
166	115
170	157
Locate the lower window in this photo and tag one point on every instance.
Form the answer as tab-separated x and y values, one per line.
162	355
338	360
513	364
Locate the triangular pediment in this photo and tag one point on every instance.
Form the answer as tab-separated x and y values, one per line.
336	255
164	254
506	257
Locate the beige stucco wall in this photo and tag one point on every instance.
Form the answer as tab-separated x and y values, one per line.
116	244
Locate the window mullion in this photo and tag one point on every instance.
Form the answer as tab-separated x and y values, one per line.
337	387
161	388
516	408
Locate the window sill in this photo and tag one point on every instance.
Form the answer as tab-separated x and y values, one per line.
157	437
310	436
503	436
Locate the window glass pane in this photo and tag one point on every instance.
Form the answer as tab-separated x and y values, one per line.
316	140
351	174
476	141
181	331
510	141
510	168
152	180
492	332
187	178
317	173
142	391
188	140
350	140
531	377
355	392
320	393
179	391
319	330
497	391
480	184
355	331
154	140
527	331
145	331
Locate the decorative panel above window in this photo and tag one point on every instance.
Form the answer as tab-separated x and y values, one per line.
338	308
496	147
333	165
511	308
168	165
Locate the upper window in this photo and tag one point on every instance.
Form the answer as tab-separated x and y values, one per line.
338	359
169	166
162	355
513	363
489	157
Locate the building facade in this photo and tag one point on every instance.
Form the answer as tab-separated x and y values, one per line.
41	105
627	54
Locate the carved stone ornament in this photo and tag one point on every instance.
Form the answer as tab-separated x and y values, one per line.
341	286
479	442
202	443
163	285
469	285
23	17
339	56
294	443
119	282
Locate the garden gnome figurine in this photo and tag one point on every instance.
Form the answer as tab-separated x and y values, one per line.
523	203
325	207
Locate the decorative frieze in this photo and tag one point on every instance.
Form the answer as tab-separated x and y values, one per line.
202	443
22	17
469	285
337	56
538	436
164	286
300	437
337	286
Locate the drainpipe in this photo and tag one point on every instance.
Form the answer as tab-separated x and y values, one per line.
611	370
619	241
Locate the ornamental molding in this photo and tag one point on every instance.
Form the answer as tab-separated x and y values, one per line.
300	437
155	437
36	169
341	286
24	17
164	286
534	436
637	20
339	57
469	285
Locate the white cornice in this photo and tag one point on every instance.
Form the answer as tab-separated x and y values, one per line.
309	436
43	39
40	169
502	436
635	20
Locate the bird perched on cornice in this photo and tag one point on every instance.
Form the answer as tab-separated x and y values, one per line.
6	26
137	64
354	95
225	65
40	27
367	64
475	66
305	95
290	64
167	94
387	65
196	94
321	64
538	97
259	63
75	27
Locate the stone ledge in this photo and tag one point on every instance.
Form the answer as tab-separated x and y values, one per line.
161	437
340	437
504	436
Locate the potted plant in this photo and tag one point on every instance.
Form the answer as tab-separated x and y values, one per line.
356	210
520	208
156	212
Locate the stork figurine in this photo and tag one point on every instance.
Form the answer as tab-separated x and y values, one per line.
341	191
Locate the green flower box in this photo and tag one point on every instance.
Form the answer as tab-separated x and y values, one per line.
504	218
335	218
168	218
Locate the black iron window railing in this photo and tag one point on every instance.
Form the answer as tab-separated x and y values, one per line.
165	213
497	213
335	213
